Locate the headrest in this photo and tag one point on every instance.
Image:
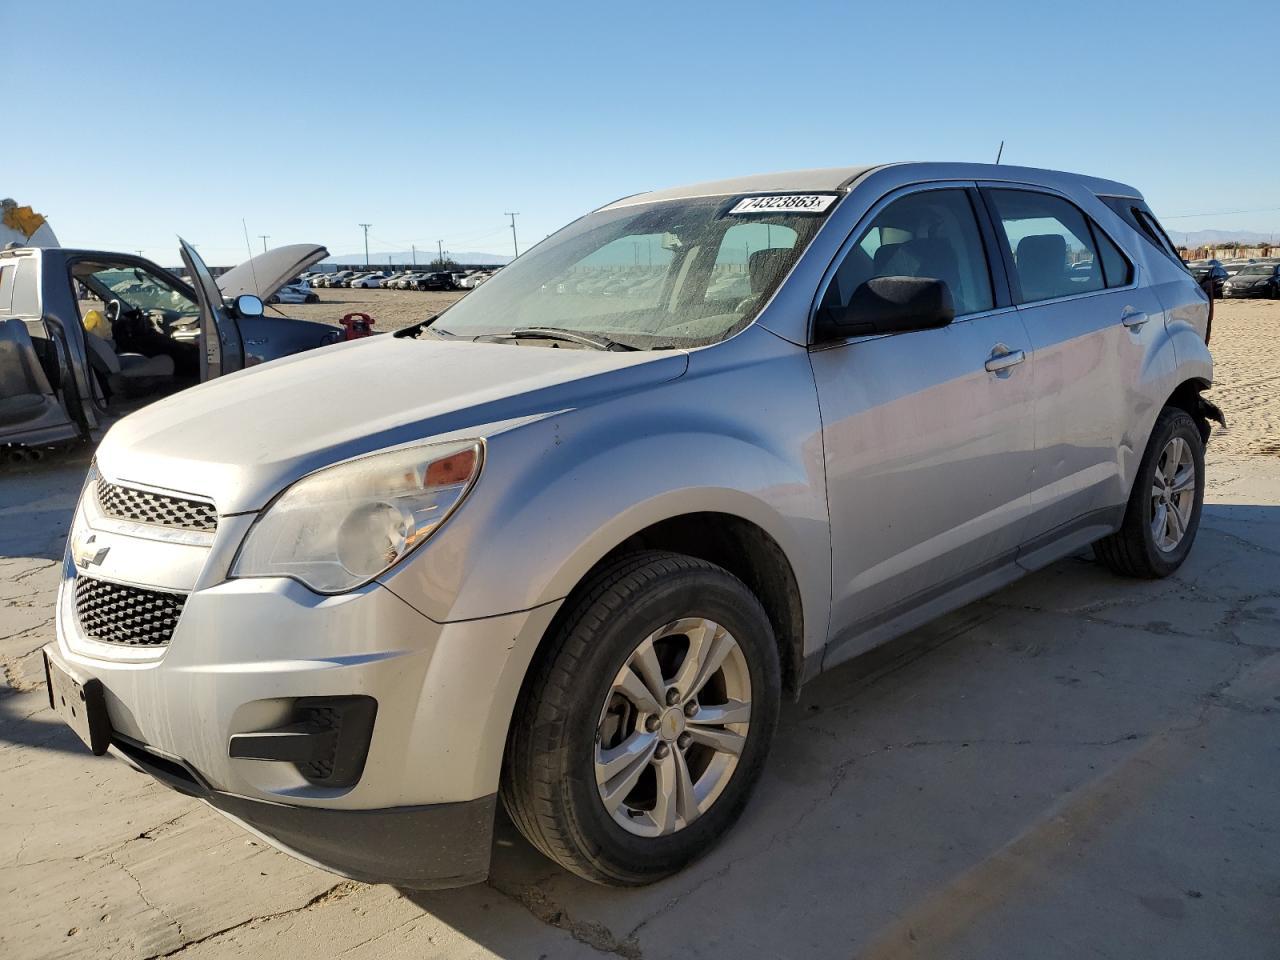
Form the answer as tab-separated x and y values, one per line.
763	267
924	257
880	262
1042	264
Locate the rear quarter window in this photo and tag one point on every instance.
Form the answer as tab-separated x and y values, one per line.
1138	215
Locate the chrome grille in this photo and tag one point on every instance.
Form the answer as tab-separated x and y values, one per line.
116	613
140	506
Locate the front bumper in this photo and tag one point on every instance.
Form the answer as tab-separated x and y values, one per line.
1245	293
244	651
428	847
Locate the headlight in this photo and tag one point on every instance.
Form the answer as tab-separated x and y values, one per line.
340	527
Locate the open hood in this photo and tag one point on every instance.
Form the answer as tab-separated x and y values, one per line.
266	273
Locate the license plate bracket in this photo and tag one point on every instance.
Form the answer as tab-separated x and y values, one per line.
81	704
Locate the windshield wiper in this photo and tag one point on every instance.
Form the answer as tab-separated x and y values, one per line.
416	328
568	336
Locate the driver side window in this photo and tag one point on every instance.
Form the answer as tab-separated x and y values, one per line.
929	234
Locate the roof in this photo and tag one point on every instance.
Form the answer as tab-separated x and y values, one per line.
787	181
829	179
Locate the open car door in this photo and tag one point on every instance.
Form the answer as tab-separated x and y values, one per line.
222	347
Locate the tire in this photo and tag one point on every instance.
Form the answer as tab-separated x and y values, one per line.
564	720
1133	550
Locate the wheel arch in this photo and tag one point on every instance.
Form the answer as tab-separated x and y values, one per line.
1188	396
737	544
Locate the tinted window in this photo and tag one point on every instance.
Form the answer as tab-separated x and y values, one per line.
1053	252
1139	216
1116	269
932	234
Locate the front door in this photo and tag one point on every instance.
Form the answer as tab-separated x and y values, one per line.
928	434
222	347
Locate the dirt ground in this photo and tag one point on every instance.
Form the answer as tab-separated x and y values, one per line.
390	309
1075	766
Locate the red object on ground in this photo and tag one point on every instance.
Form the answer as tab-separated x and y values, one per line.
357	325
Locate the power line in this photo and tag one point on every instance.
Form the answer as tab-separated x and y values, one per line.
1218	213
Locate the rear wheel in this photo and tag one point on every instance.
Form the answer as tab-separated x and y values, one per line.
1163	513
645	724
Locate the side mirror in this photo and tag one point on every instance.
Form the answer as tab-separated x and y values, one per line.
889	305
247	305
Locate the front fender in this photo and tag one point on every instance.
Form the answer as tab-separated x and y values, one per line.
561	491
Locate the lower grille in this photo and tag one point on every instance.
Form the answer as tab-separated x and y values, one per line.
115	613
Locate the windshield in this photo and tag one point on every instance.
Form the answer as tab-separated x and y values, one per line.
673	274
1260	270
137	288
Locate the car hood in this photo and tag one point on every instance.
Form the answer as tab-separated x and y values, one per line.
266	273
242	438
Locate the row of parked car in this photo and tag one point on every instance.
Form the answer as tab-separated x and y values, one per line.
1253	277
401	280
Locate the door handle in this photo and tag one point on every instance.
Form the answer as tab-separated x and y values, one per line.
1002	358
1133	319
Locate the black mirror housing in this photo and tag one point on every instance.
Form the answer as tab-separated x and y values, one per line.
889	305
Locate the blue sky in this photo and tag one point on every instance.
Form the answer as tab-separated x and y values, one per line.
130	122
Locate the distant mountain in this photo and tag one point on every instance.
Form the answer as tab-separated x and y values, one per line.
1209	238
424	257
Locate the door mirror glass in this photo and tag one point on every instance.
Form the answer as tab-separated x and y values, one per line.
247	305
889	305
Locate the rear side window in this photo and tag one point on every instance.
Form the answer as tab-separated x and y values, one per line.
932	234
1050	243
1116	269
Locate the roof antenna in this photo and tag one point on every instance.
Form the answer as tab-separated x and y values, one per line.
999	153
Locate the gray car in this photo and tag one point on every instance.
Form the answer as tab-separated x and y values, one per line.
570	550
80	329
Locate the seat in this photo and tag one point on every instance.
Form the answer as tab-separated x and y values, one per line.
25	393
103	357
1042	266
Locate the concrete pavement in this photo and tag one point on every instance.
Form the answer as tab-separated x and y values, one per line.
1077	765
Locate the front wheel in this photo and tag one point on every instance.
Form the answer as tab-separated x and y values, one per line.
1163	513
645	723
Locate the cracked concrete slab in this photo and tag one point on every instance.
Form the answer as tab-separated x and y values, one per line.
1076	765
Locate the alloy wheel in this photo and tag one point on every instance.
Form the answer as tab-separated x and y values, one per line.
1173	494
673	725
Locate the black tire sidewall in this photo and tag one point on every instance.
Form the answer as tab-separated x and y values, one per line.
719	597
1178	424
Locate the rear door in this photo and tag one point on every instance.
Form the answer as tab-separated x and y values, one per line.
222	346
1091	326
928	434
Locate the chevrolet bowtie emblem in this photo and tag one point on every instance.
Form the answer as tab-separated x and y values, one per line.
86	552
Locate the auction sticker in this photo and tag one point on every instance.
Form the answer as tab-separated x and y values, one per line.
786	203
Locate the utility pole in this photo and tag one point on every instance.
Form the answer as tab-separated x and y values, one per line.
415	254
138	252
366	227
440	253
515	245
265	237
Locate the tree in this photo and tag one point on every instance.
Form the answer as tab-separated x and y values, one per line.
443	263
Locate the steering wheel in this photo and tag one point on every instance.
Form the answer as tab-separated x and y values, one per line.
113	311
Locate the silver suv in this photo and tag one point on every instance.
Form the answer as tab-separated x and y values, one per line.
571	542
